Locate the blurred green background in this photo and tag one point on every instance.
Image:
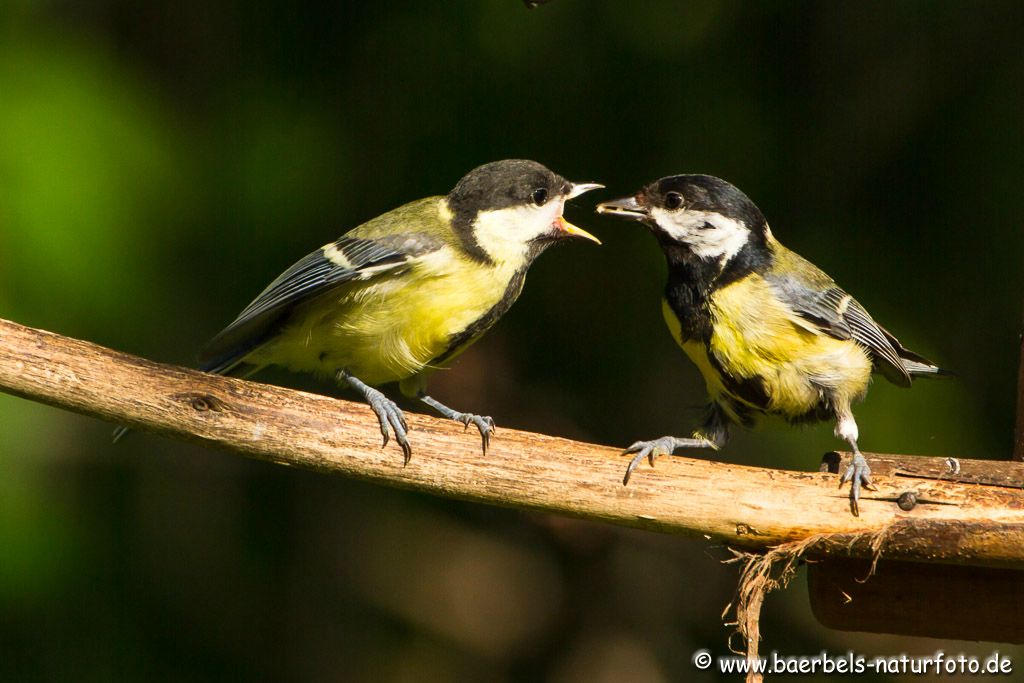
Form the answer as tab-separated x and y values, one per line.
160	162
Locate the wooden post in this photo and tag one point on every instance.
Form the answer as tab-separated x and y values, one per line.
911	598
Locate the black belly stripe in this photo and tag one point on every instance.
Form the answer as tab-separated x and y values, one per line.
750	390
484	322
737	410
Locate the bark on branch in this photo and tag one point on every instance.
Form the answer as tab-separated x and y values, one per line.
974	515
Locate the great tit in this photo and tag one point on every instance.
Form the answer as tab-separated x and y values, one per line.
405	293
770	332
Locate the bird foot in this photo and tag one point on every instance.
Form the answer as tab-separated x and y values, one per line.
484	423
655	448
859	475
390	415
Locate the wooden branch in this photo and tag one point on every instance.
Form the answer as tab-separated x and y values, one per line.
951	521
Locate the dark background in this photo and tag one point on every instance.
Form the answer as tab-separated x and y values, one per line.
160	162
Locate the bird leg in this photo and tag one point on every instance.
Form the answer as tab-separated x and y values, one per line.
484	423
858	473
387	411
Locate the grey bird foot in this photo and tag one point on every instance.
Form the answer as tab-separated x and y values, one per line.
484	423
389	414
666	445
648	449
859	475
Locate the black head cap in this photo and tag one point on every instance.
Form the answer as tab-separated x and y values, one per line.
505	183
704	193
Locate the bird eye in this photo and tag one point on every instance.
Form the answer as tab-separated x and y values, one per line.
673	200
540	195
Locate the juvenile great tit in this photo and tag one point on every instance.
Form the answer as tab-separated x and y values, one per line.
405	293
770	332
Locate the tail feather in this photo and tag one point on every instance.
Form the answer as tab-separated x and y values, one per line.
915	364
919	367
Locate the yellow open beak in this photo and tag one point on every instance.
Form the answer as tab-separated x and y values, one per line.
573	231
567	228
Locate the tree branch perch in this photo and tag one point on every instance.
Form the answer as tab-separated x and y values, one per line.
978	520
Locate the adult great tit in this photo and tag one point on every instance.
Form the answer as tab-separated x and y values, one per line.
770	332
405	293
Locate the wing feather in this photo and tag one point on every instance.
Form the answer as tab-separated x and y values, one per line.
345	260
815	297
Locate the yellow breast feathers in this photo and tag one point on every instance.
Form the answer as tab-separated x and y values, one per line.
389	328
755	335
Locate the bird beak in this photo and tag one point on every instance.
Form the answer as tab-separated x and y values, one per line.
564	228
627	207
580	188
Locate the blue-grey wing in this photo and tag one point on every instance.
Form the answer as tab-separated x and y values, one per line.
346	260
841	316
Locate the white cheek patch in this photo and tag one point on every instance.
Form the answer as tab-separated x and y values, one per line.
722	240
505	234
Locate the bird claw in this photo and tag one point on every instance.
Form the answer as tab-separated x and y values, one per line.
651	450
484	423
859	476
390	415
